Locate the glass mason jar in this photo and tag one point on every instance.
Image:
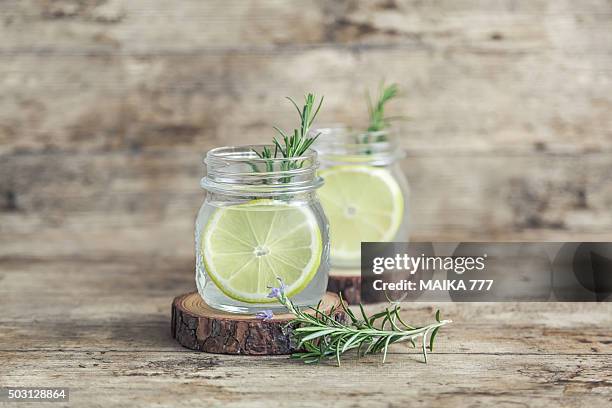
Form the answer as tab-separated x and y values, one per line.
365	195
261	221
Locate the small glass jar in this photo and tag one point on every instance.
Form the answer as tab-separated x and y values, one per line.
366	195
261	221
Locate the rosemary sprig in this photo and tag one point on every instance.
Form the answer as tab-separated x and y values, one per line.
299	141
377	111
320	336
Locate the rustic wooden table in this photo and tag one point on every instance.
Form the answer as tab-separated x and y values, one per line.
102	328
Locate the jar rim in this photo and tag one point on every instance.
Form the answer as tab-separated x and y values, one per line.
247	153
240	170
339	142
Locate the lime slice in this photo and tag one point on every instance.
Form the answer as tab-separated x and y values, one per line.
247	247
363	204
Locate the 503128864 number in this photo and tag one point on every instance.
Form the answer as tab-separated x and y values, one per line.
15	394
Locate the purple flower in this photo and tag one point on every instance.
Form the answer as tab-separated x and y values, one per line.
277	292
264	315
274	293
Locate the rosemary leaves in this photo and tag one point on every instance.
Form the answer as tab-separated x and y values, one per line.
320	337
377	111
299	141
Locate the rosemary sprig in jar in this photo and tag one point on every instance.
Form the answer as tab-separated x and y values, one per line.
320	336
378	121
296	144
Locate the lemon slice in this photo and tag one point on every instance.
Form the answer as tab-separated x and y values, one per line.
247	247
363	204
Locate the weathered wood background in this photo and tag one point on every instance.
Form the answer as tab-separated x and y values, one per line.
107	107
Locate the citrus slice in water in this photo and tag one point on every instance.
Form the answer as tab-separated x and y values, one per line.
363	204
247	247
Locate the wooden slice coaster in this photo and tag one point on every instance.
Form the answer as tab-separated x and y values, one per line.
197	326
347	283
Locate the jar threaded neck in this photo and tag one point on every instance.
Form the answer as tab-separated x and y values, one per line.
341	144
240	170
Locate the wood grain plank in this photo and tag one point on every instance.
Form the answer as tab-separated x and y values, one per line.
464	336
145	379
92	305
125	26
461	100
97	201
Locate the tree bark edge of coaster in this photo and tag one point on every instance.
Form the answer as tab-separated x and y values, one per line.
197	326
